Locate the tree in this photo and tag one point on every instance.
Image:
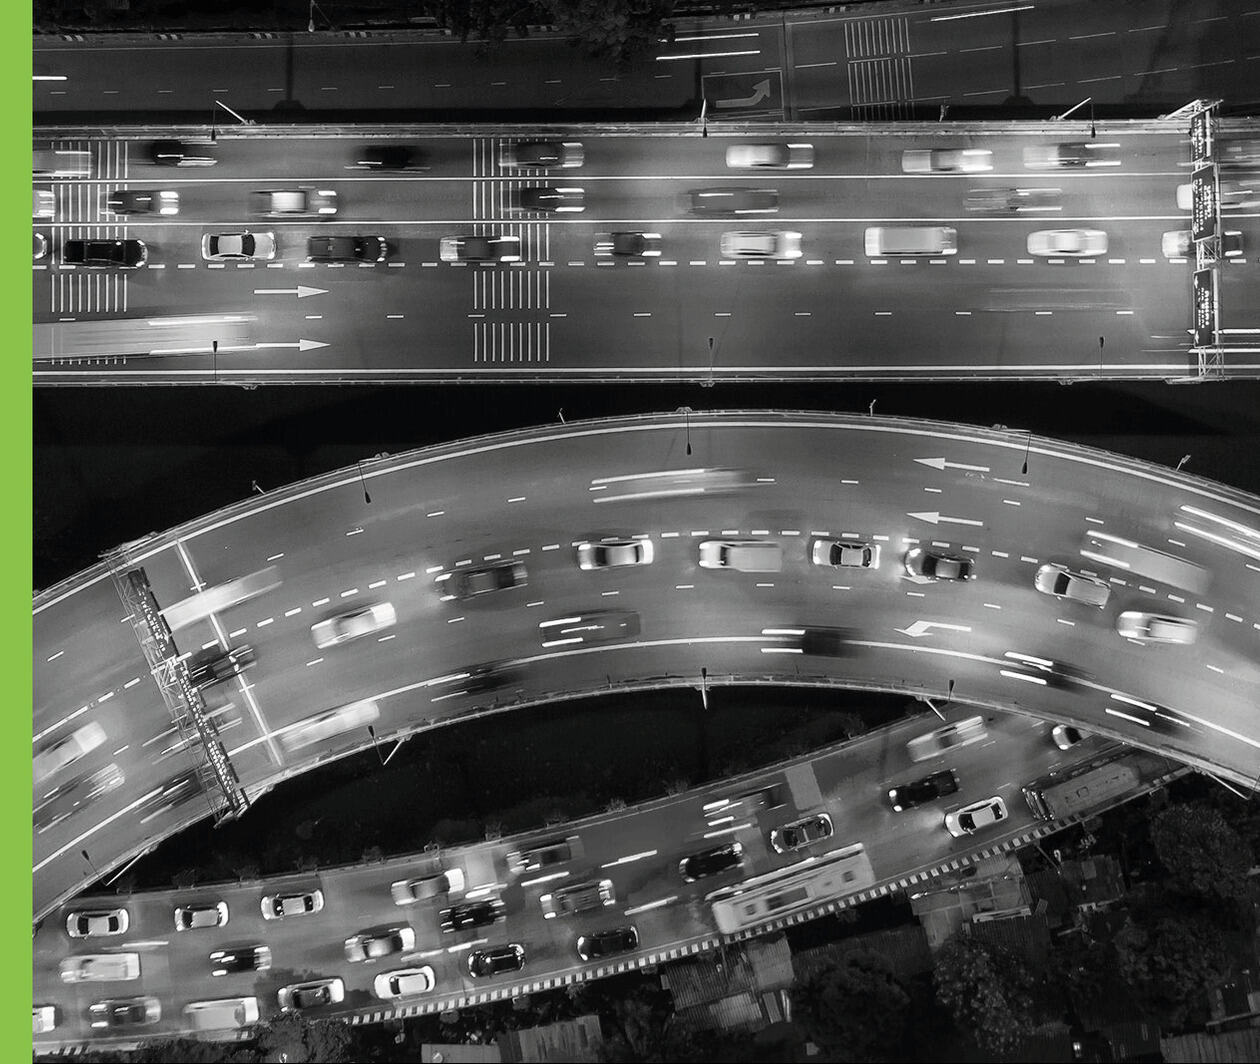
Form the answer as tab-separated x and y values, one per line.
988	991
855	1007
293	1039
1203	854
619	29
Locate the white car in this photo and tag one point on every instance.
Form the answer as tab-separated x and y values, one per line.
409	891
1070	243
98	923
369	946
238	247
1177	244
296	203
346	627
405	982
1065	736
771	244
329	723
101	968
770	156
66	751
976	817
844	554
43	203
480	249
1061	582
43	1018
947	161
282	906
950	737
1157	628
197	917
613	553
1234	196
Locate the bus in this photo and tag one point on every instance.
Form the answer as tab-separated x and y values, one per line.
141	337
1087	787
220	597
798	886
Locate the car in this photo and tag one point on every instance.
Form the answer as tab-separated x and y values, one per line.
409	891
1013	200
487	676
67	750
770	156
484	963
613	553
1156	628
1062	583
711	862
222	1014
543	154
480	249
540	855
239	959
600	944
596	626
347	249
937	565
1240	152
180	788
179	153
1073	243
628	245
470	914
369	946
801	833
105	254
43	204
404	982
67	799
844	553
311	995
1070	155
238	247
577	898
331	722
215	665
43	1018
97	923
197	917
772	244
946	160
1178	244
918	792
125	1012
61	162
285	906
39	246
295	203
1234	195
396	158
552	200
949	737
819	641
474	580
140	201
1065	736
742	555
357	624
100	968
975	817
731	199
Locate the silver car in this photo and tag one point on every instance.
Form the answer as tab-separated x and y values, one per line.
296	203
357	624
480	249
844	554
238	247
67	750
409	891
772	244
1061	582
1157	628
770	156
613	553
946	160
367	946
1068	243
196	917
947	738
97	923
976	817
282	906
331	722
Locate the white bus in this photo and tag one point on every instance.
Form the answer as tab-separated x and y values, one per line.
139	337
798	886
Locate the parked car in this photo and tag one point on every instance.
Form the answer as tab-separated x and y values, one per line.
543	154
357	624
801	833
105	254
405	982
311	995
919	792
372	946
1062	583
1157	628
97	923
770	156
711	862
949	737
844	553
284	906
614	553
480	249
600	944
409	891
946	160
938	565
484	963
976	817
238	247
142	201
239	959
198	917
628	245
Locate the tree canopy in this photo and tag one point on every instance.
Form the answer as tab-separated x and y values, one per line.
1202	853
987	989
854	1007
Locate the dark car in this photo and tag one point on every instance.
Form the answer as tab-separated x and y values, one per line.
105	254
937	565
544	154
552	200
730	200
484	963
1013	200
928	789
214	665
601	944
347	249
239	959
711	862
177	153
386	158
142	201
176	791
482	580
628	245
801	833
125	1012
471	914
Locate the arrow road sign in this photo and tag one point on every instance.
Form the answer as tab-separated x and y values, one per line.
301	291
301	345
922	628
761	91
940	463
940	519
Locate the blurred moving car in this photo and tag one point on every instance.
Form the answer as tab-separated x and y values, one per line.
66	751
731	199
1074	243
1062	583
215	665
284	906
937	565
1234	195
628	245
470	581
387	158
1177	244
67	799
918	792
1070	155
323	726
238	247
484	963
614	553
180	153
198	917
125	1012
295	203
801	833
594	626
311	995
540	855
347	249
569	200
1013	200
577	898
471	914
405	982
100	968
372	946
97	923
711	862
600	944
105	254
976	817
239	959
1157	628
742	555
480	249
770	244
950	737
423	888
357	624
543	154
142	201
946	160
844	553
770	156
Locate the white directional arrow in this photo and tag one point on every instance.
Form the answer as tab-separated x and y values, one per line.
301	345
940	463
761	91
920	628
935	518
301	291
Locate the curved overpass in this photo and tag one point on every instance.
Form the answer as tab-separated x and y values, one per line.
532	494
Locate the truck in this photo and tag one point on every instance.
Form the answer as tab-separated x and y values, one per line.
1084	788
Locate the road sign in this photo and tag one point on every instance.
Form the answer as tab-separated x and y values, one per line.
1203	207
759	92
1205	308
